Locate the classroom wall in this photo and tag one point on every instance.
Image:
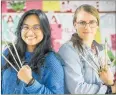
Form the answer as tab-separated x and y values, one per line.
60	15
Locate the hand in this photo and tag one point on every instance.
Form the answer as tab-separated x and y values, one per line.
114	87
106	76
25	74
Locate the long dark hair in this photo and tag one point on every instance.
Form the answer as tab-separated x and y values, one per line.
42	48
77	41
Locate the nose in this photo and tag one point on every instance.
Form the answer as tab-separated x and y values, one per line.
30	32
87	26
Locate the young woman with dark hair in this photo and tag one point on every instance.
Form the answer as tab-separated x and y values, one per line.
41	70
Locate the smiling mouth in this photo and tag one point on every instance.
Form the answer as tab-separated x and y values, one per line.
30	38
86	32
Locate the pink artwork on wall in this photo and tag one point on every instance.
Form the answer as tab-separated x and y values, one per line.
4	9
34	5
56	32
113	41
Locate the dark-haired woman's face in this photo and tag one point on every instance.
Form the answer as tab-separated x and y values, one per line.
31	32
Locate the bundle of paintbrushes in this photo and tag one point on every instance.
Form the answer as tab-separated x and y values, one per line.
19	65
104	68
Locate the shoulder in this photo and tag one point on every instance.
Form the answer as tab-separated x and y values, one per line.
53	60
68	50
5	53
68	46
100	46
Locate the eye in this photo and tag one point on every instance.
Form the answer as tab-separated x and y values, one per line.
93	22
24	27
36	27
82	23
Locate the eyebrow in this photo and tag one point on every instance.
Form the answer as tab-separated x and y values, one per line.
33	25
85	21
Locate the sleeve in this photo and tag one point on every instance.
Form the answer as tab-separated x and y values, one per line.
54	79
37	88
74	79
5	53
3	62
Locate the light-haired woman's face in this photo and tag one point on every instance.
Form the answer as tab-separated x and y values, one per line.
31	32
86	25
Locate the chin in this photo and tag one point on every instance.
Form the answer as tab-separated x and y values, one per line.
31	44
88	38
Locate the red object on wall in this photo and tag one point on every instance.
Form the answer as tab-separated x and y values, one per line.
4	9
113	41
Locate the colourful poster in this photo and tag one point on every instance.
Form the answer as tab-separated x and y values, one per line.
56	32
98	36
9	24
51	5
72	5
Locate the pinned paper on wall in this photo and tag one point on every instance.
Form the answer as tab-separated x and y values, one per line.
109	5
34	5
3	9
98	36
51	5
72	5
56	32
113	41
15	6
9	24
65	6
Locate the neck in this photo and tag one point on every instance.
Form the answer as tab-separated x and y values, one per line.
30	48
88	43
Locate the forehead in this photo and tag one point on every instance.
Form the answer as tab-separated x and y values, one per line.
31	20
85	16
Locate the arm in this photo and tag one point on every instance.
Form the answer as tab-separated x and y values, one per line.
54	79
107	75
37	88
3	63
73	74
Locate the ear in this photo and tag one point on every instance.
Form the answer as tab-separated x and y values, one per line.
75	25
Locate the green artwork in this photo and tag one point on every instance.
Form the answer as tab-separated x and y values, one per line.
17	6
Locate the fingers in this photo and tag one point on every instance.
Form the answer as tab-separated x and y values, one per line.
25	67
106	76
25	74
104	68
